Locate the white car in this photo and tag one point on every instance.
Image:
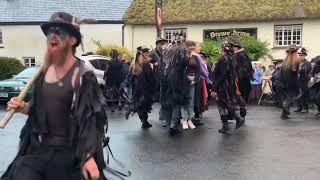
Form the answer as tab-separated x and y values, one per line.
98	64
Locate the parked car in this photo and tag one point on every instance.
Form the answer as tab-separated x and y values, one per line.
98	64
12	87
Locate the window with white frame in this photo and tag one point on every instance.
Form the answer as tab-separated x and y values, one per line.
287	35
29	61
1	38
172	34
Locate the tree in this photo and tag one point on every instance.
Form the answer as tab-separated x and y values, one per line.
255	48
9	67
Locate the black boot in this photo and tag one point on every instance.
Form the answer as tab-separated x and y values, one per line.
239	121
174	131
298	110
243	112
284	116
225	125
146	125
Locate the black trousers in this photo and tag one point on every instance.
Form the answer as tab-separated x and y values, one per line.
245	88
47	164
303	101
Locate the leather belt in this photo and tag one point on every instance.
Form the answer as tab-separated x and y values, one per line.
53	140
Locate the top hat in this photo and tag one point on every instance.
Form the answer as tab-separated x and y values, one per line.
143	49
68	22
159	39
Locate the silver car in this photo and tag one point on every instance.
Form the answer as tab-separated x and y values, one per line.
98	64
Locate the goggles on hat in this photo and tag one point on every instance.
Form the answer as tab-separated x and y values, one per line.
62	33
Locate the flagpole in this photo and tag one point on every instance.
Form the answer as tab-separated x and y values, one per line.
158	17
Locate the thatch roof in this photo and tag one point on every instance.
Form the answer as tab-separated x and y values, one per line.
197	11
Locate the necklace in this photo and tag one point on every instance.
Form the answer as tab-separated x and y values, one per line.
60	83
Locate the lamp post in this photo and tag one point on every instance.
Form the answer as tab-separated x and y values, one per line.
158	17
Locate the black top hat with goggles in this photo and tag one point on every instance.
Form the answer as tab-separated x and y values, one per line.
143	49
62	21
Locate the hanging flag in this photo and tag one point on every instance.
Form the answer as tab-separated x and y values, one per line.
158	16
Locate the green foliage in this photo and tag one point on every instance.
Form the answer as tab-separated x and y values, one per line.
105	50
9	67
211	48
255	48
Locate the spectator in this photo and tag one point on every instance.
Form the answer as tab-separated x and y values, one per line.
256	83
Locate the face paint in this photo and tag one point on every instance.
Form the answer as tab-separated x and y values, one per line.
62	33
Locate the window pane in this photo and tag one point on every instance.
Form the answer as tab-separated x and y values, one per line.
287	35
172	34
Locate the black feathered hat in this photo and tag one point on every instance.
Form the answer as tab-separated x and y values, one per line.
68	22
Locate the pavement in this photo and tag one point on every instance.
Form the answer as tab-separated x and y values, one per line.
266	148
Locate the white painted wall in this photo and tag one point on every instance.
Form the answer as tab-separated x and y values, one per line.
146	34
28	40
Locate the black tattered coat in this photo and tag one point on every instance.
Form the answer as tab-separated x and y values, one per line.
87	127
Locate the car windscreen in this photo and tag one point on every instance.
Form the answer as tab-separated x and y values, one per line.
100	64
26	74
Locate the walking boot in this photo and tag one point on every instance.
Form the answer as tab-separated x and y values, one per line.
225	125
285	116
305	110
299	110
146	125
239	121
243	112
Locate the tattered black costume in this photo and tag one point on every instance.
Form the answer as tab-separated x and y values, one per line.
288	88
315	89
303	100
224	85
47	154
243	68
113	78
143	92
174	85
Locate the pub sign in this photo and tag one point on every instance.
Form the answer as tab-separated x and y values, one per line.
215	34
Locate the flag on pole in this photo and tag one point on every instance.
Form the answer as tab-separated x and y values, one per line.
158	16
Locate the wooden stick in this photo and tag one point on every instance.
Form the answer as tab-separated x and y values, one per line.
21	96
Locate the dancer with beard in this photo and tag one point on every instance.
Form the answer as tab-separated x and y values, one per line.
289	89
224	89
64	133
314	83
143	84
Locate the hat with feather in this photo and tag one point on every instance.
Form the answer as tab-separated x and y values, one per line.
68	22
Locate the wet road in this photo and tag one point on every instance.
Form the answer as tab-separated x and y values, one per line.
267	148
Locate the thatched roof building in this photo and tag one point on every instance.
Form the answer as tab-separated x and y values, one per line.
199	11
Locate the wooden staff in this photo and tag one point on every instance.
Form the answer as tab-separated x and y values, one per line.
22	95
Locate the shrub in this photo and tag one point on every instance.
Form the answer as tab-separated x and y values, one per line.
211	48
255	48
105	50
9	67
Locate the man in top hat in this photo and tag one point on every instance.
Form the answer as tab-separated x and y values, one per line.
243	70
304	70
63	136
